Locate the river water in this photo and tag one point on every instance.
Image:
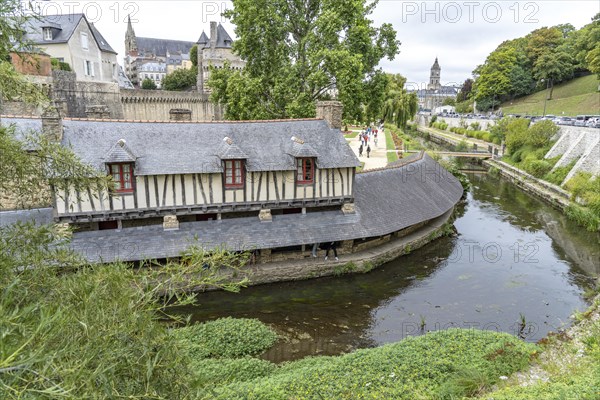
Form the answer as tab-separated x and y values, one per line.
516	265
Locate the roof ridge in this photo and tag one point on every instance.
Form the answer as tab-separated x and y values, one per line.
399	165
14	116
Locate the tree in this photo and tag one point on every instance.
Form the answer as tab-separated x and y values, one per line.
298	52
400	106
449	101
181	79
148	84
553	66
194	55
465	91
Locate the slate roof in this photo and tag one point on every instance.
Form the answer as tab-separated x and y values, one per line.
230	151
119	153
180	148
40	216
386	201
160	47
223	38
63	27
102	43
203	39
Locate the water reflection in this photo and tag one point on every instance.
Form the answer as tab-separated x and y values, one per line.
513	255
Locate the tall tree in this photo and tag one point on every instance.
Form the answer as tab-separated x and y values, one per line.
400	106
300	51
465	91
553	66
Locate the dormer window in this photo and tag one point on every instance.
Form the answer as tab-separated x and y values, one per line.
122	175
47	33
234	174
305	170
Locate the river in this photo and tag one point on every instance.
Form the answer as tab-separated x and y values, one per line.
516	265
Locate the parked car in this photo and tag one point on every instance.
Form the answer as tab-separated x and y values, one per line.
593	123
566	121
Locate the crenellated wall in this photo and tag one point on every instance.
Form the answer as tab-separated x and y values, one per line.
154	105
74	97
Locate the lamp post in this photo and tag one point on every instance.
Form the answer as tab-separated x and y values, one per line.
546	95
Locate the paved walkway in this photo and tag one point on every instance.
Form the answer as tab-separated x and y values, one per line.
378	156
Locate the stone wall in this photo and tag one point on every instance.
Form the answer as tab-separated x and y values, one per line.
155	105
78	95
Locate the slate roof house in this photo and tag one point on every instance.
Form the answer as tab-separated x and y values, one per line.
74	40
273	186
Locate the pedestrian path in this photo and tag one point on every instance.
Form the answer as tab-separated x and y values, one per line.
377	157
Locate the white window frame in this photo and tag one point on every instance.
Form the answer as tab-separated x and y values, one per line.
88	68
84	41
47	33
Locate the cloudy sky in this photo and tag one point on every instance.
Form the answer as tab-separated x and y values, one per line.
460	33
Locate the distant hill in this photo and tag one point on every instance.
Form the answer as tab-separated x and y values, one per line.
578	96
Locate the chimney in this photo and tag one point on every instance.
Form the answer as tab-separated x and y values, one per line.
213	35
180	114
52	126
330	111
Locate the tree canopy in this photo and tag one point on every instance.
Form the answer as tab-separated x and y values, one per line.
148	84
298	52
542	58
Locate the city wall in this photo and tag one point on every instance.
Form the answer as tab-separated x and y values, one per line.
75	98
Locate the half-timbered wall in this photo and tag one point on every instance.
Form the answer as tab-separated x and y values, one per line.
199	193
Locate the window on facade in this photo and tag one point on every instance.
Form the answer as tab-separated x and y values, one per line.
122	175
84	40
305	170
234	174
88	68
47	34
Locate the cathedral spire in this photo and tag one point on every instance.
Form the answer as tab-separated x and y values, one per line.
130	40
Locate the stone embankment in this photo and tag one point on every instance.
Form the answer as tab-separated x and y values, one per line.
359	262
552	194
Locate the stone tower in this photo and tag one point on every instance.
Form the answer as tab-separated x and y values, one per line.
434	77
130	40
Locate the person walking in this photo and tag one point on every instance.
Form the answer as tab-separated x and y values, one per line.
368	150
331	246
360	150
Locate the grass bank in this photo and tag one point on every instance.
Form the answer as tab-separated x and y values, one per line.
579	96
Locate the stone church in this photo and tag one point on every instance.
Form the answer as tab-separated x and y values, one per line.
436	93
154	58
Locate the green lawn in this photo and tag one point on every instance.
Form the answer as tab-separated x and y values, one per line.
351	135
389	145
579	96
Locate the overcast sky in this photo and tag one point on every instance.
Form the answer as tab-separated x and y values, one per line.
460	33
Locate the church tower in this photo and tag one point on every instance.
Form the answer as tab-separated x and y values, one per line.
434	77
130	40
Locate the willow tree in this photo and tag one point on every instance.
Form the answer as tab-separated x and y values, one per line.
400	106
301	51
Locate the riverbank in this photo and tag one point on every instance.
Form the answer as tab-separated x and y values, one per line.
372	255
567	368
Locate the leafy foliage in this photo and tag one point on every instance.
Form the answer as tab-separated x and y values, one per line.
60	65
148	84
180	79
301	52
538	60
412	368
225	338
400	106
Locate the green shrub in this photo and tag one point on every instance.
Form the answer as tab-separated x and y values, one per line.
558	175
210	371
225	337
537	168
56	64
413	368
583	217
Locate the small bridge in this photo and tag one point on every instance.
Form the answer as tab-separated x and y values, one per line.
463	154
